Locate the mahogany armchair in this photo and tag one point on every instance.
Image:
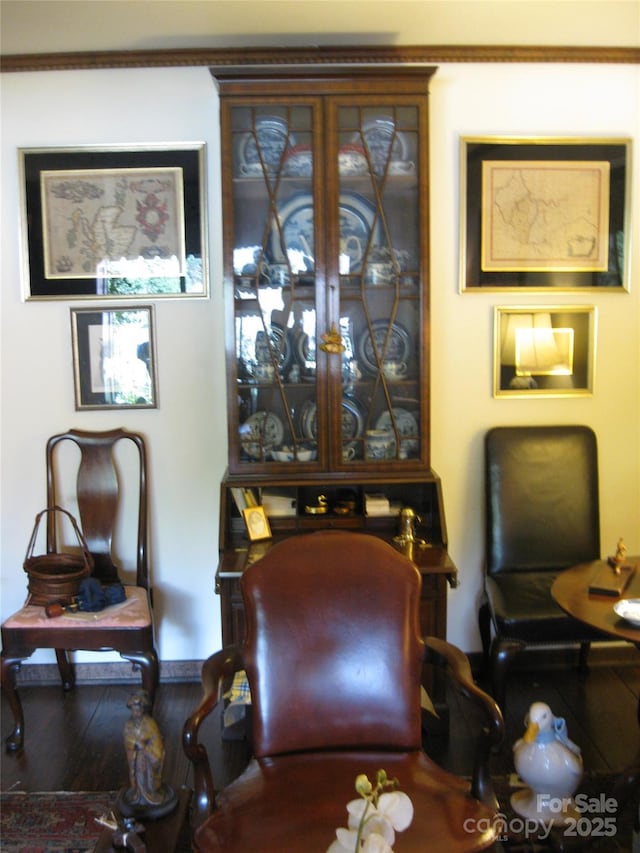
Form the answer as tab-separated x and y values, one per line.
127	627
542	516
333	658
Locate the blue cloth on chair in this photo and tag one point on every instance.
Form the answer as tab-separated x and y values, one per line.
92	596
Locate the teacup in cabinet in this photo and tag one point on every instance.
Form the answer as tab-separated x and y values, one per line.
394	369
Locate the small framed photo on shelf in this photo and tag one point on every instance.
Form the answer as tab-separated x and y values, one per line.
114	222
544	351
257	523
114	364
544	214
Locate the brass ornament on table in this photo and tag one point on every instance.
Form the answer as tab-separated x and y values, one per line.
148	797
409	519
321	508
619	561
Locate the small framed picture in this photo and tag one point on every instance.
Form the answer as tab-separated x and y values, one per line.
257	523
544	351
114	365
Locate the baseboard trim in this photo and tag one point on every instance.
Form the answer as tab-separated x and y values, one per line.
107	673
601	654
560	657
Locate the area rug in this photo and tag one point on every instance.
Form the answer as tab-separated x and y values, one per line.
66	822
56	822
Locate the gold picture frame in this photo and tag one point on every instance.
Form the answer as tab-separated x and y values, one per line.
540	214
544	351
257	523
114	222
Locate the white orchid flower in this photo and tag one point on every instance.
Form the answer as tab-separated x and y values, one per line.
397	808
356	809
346	843
374	821
375	843
374	818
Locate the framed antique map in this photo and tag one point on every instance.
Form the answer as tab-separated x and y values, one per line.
544	213
114	222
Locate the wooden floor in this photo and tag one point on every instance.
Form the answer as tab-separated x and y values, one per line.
74	741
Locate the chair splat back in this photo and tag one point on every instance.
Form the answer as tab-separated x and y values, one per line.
322	653
98	496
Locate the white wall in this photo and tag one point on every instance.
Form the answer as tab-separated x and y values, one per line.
187	433
538	100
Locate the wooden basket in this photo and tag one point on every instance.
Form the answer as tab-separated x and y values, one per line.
55	576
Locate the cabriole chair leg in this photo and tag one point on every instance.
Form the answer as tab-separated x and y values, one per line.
503	653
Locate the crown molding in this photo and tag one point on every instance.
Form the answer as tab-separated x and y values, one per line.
304	56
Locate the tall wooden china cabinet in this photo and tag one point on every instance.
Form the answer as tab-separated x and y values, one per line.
325	181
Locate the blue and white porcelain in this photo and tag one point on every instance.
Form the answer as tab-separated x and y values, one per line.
298	162
352	161
264	146
401	167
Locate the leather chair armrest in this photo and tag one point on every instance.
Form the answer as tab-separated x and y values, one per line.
491	734
217	673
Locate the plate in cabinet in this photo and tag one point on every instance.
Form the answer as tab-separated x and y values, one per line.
384	142
352	420
282	344
371	345
273	137
295	227
261	431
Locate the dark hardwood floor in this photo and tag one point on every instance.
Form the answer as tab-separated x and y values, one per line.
74	741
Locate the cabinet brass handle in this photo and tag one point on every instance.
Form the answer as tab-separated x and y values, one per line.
332	341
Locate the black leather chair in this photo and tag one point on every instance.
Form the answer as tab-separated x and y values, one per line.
542	516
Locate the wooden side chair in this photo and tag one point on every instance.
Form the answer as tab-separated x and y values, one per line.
542	516
333	657
126	627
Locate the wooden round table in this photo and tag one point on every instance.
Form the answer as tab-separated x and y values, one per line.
571	591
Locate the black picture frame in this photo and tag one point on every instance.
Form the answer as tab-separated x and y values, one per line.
477	152
74	196
114	357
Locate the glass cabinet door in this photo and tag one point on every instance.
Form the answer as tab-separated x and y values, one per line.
275	302
380	264
325	235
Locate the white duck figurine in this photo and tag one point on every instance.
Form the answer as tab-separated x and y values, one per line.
550	764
